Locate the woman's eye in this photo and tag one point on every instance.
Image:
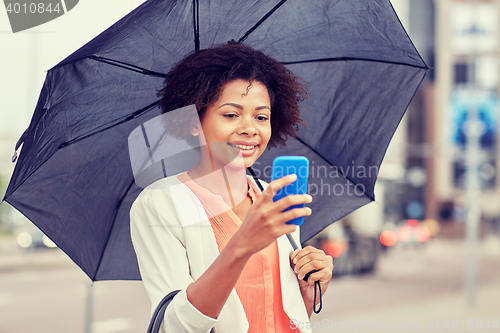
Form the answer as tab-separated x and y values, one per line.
262	118
230	115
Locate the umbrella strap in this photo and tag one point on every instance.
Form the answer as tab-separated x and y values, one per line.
317	286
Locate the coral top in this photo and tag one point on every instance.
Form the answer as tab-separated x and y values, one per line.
258	286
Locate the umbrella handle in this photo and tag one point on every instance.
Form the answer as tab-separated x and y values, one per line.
317	286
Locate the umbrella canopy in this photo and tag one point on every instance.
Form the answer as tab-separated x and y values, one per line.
74	180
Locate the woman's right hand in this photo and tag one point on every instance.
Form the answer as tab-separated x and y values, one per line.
263	223
265	220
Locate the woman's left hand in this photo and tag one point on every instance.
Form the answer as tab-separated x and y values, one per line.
305	260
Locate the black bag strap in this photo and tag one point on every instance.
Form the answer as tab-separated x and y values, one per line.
157	318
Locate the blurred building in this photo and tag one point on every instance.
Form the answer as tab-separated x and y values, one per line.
423	173
406	173
467	68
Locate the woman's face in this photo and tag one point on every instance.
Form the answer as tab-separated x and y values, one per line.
239	121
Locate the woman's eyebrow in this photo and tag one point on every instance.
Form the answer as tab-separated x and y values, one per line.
232	104
263	107
238	106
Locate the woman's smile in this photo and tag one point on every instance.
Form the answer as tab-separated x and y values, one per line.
246	148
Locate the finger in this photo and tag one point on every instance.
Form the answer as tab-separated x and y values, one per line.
292	200
309	249
287	229
306	253
306	277
293	254
313	262
281	228
291	214
278	184
321	276
302	270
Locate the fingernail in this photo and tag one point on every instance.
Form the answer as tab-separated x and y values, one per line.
300	276
295	261
293	176
309	210
296	270
309	198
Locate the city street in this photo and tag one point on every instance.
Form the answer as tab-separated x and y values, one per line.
412	286
45	292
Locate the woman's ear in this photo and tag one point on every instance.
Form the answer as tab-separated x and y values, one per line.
195	128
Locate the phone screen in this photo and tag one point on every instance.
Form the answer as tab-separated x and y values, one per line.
286	165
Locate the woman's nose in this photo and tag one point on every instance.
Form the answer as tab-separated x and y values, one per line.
247	127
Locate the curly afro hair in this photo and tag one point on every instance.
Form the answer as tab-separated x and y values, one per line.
198	79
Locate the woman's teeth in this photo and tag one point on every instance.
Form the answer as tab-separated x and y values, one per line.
242	147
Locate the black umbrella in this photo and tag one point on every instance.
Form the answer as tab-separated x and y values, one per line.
73	178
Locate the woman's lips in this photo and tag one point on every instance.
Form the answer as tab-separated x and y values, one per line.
243	148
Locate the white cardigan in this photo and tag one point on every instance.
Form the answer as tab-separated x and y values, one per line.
175	245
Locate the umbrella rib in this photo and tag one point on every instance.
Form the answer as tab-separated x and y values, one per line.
124	65
245	36
196	24
108	126
340	170
348	59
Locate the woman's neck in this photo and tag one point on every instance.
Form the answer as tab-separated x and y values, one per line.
227	181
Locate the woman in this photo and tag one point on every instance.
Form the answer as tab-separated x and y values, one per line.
223	243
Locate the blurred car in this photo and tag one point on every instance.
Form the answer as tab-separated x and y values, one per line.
352	252
30	237
388	236
413	232
408	232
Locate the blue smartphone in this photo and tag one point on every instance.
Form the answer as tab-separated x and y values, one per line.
286	165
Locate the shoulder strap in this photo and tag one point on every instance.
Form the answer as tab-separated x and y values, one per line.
157	318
